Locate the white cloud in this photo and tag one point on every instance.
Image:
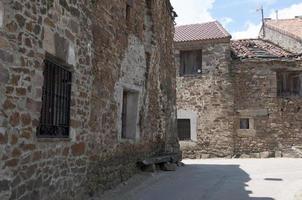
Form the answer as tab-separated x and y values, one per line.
225	21
265	2
251	31
193	11
289	12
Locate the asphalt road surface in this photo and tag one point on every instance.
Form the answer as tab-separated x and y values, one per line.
217	179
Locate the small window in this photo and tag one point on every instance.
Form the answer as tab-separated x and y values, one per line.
289	83
129	6
244	123
190	62
55	113
184	129
129	114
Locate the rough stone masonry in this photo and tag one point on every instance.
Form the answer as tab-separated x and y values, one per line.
236	98
110	46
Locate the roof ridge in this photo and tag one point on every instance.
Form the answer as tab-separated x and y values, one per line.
284	19
241	48
196	24
289	34
222	28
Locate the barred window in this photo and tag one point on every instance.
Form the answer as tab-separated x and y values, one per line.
184	129
289	83
55	113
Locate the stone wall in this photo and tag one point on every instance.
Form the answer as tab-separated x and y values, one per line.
276	121
289	43
108	53
210	95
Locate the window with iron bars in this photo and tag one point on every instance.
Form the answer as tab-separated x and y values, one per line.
289	83
55	113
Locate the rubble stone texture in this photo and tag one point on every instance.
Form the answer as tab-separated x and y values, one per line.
107	53
241	86
210	95
277	124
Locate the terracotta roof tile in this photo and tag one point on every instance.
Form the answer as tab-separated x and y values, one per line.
290	27
196	32
257	48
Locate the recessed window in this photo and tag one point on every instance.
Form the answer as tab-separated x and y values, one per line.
129	114
244	123
129	6
55	113
190	62
289	83
184	129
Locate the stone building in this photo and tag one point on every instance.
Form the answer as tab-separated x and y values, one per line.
267	98
87	89
204	90
286	33
236	98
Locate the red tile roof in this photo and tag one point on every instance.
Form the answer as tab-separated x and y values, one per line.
290	27
197	32
257	48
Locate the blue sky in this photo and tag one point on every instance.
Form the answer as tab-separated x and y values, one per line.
239	17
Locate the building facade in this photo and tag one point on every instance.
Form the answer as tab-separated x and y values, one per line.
267	99
287	33
235	98
87	89
204	90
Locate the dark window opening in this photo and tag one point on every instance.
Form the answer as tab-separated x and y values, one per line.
289	83
55	112
149	4
190	62
129	7
244	123
124	115
184	129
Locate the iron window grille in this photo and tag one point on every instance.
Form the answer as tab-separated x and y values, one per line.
55	113
184	129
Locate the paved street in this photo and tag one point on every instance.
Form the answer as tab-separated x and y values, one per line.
238	179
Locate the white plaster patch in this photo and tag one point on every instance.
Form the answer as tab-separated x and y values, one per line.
71	55
1	14
134	63
133	69
49	41
72	135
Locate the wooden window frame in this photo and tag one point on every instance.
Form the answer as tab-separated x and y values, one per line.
196	62
289	83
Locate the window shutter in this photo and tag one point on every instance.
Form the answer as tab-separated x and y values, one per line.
199	61
182	64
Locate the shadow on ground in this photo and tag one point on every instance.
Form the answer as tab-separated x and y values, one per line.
200	182
192	182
